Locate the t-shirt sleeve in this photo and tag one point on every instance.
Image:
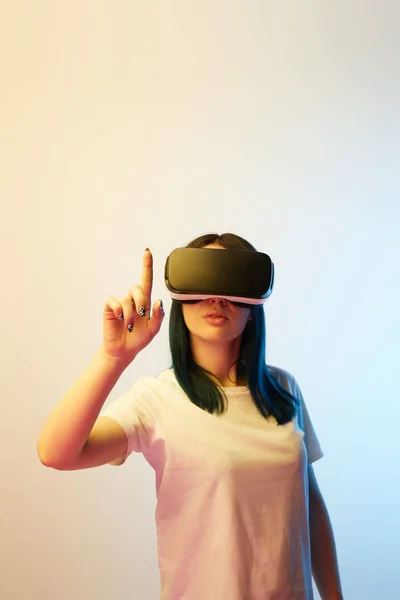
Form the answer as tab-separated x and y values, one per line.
289	383
134	414
311	440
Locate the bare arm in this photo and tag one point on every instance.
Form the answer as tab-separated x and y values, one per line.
73	436
68	427
323	550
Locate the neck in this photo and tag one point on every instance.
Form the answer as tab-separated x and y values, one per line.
217	360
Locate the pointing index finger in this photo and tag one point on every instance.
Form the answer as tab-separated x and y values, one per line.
147	273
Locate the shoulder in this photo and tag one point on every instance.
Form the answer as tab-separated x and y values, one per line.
165	381
153	387
166	375
154	382
147	390
285	379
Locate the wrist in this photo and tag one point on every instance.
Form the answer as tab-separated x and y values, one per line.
114	364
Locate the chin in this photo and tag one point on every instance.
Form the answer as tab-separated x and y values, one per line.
221	334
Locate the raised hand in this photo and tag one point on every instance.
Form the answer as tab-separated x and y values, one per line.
128	326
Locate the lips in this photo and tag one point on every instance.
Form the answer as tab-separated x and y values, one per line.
213	314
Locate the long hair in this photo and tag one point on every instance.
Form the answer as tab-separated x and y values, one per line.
270	398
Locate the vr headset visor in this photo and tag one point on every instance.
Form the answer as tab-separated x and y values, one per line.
243	277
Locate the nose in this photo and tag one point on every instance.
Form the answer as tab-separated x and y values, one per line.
220	300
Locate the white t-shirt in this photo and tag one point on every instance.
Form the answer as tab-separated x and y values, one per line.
232	491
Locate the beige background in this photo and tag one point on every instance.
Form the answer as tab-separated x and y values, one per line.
133	124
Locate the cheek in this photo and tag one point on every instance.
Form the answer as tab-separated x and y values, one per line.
243	317
189	315
244	322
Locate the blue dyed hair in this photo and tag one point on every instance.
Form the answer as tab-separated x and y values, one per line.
268	395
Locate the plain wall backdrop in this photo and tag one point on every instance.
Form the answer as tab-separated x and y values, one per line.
131	124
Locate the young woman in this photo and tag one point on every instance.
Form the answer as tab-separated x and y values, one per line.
239	511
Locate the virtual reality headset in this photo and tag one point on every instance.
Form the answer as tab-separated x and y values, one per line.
243	277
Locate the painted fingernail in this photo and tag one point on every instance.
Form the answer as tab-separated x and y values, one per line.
121	317
162	307
142	311
130	327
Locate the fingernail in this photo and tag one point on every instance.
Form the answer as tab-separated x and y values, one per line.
130	328
162	307
142	311
121	317
147	250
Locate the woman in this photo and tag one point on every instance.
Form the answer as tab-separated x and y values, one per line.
239	512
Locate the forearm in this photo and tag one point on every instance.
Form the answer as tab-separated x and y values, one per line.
69	425
323	551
